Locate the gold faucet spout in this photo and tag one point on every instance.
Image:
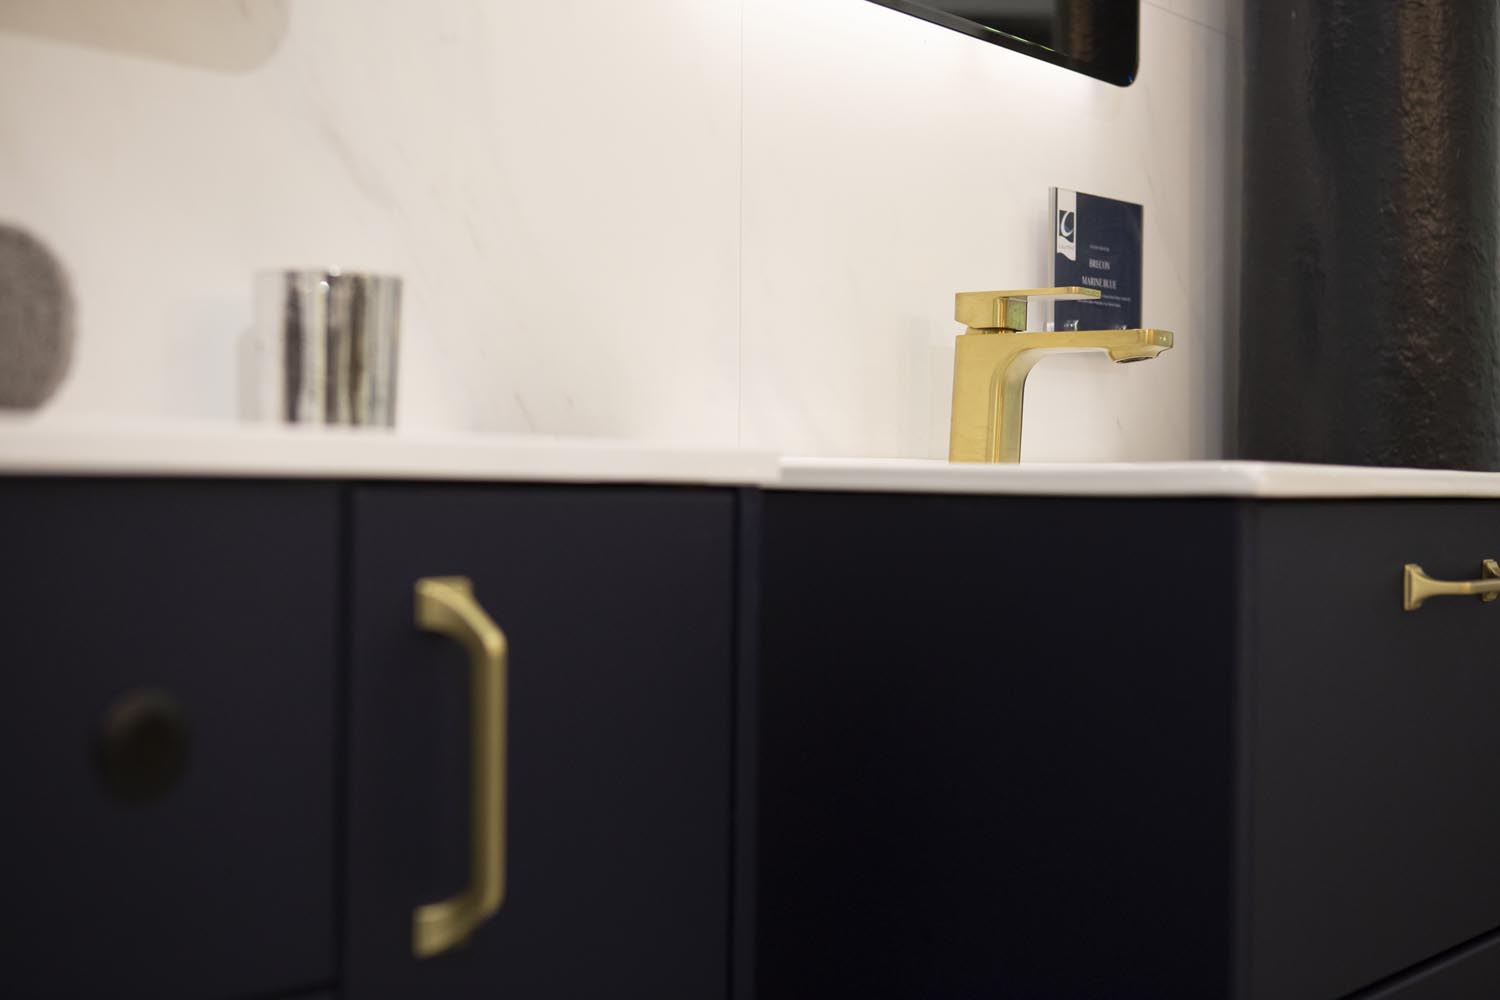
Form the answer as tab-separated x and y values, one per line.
990	365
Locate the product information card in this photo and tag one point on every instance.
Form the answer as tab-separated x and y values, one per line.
1097	245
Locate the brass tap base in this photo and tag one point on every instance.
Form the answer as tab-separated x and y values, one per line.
989	381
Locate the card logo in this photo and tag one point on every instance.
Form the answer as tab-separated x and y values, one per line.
1066	224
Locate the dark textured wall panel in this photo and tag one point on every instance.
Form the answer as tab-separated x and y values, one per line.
1369	299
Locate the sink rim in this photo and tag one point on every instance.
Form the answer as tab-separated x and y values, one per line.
1181	478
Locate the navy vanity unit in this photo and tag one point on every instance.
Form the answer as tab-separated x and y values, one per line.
239	767
1125	746
760	740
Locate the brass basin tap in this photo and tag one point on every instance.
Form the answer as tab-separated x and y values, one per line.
992	358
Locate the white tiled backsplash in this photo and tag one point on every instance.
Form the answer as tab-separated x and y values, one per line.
710	221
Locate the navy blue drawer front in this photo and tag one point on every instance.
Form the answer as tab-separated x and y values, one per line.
1373	754
167	757
617	604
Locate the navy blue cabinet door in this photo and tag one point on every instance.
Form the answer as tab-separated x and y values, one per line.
978	774
617	606
167	757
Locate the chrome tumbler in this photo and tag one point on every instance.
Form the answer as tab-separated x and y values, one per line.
328	342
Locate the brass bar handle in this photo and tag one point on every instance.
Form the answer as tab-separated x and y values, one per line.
446	605
1419	586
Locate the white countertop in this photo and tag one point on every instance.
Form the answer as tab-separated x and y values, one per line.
75	446
55	445
1134	479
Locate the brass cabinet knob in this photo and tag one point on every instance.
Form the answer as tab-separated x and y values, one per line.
143	745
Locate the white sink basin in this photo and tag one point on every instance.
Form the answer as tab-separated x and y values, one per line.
1184	479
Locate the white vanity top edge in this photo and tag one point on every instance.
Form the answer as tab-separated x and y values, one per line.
65	446
1267	480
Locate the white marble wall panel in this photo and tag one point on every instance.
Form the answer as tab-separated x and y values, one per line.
712	221
557	182
1221	15
889	164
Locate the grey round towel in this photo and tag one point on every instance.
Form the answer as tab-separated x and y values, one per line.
36	321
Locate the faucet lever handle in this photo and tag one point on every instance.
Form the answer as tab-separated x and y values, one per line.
1007	310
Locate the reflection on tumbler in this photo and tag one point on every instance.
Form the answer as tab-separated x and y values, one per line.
328	343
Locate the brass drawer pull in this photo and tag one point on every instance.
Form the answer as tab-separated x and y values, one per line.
1419	586
446	605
